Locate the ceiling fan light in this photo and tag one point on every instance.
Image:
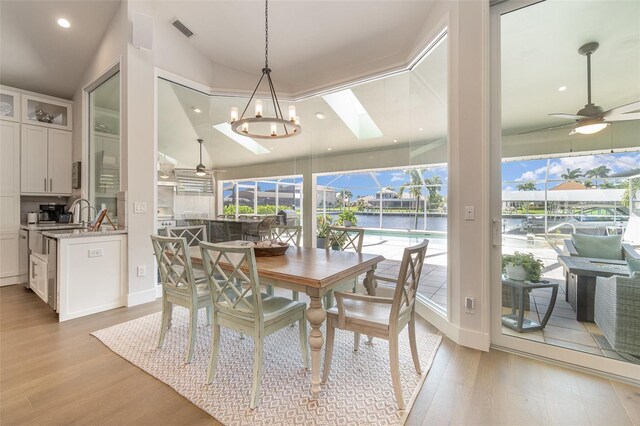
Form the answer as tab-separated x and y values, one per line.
201	170
589	127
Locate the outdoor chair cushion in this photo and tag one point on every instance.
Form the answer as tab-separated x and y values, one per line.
634	266
609	247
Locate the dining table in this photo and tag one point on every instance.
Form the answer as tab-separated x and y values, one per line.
314	272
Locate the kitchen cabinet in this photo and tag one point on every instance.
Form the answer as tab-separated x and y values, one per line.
45	161
9	105
39	276
46	112
23	256
9	255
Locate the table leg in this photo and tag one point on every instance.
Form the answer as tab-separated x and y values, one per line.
316	316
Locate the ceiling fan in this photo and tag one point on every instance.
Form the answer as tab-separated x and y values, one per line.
201	170
592	118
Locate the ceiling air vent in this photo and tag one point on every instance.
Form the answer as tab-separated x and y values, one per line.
182	28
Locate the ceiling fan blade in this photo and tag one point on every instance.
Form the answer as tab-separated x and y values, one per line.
568	116
633	107
624	117
559	126
572	132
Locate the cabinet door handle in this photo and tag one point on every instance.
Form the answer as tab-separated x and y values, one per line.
45	184
51	185
33	270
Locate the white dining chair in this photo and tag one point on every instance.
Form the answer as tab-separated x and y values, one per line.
193	234
238	304
286	234
382	317
180	286
343	238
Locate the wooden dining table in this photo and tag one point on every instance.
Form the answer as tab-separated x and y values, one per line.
314	272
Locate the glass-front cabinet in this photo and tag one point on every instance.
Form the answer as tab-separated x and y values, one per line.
46	112
9	105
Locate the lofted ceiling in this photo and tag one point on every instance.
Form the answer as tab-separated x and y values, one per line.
38	55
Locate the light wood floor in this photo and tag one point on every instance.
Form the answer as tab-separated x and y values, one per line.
53	373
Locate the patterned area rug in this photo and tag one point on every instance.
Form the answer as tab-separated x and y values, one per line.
359	390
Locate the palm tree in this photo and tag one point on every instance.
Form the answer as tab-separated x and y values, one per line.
527	186
345	195
434	185
572	174
414	186
598	172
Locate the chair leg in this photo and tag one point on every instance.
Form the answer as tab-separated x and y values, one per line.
257	371
304	347
208	315
328	351
193	331
328	300
295	295
270	290
395	370
166	321
215	348
356	342
412	343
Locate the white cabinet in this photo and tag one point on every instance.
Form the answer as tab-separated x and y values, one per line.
9	105
38	277
46	112
9	157
9	255
45	161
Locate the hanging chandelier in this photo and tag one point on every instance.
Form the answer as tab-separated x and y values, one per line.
266	127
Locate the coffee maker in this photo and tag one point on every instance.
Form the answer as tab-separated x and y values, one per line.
53	213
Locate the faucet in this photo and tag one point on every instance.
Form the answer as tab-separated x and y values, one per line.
77	218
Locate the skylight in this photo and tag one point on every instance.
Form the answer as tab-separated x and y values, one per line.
353	114
248	143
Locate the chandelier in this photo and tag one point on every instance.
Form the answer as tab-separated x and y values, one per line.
266	127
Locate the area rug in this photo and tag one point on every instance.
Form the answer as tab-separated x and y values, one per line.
359	390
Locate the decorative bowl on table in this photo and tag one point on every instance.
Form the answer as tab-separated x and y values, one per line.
268	248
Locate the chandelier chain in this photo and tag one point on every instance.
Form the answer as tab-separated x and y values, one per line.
266	34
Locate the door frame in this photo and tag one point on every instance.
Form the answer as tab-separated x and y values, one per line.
622	371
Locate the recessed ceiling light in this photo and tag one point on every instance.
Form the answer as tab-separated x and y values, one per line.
420	129
197	110
562	88
272	148
329	149
320	116
395	141
64	23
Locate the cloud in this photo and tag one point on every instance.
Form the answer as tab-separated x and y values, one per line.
398	177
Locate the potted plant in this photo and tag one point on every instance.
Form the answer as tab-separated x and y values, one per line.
322	227
522	266
347	218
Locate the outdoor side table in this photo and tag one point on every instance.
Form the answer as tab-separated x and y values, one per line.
516	320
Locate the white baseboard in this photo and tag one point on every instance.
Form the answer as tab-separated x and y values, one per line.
90	311
140	297
10	281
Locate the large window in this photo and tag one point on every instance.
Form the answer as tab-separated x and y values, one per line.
104	144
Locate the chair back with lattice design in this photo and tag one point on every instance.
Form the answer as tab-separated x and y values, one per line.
266	224
233	280
174	263
193	234
404	296
344	238
286	234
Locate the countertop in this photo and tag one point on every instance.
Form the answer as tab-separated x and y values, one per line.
49	226
81	233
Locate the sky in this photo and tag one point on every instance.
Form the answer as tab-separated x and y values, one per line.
513	172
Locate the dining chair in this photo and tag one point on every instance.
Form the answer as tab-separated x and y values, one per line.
194	234
382	317
286	234
343	238
231	271
180	286
261	231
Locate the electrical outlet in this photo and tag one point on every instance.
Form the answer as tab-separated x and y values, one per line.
470	305
139	207
469	213
97	252
142	270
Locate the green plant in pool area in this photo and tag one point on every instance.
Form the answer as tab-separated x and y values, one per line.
322	226
531	265
347	215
